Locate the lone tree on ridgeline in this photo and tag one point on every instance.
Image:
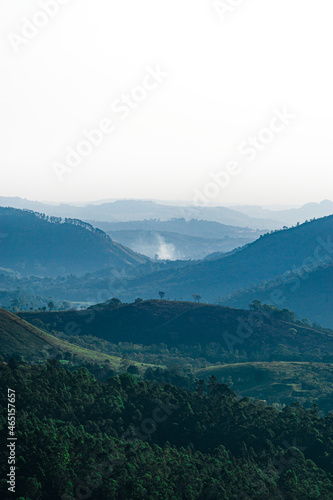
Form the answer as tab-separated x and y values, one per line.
161	294
114	302
196	297
256	305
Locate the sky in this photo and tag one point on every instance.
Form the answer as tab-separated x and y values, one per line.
226	102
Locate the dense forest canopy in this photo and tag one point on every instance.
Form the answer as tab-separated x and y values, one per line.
131	439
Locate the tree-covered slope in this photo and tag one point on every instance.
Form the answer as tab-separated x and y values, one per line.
32	243
78	438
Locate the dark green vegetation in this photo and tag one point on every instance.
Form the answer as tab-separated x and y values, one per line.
135	440
186	323
282	382
33	243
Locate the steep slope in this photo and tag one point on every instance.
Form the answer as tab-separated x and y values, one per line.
21	339
32	243
187	323
265	259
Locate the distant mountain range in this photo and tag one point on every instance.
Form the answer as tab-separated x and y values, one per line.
133	210
291	216
254	217
38	245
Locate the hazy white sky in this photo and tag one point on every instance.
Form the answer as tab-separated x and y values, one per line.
228	76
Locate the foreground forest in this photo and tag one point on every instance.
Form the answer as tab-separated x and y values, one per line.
79	438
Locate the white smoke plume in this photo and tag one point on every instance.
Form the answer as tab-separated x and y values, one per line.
166	251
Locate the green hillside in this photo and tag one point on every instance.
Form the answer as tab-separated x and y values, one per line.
21	339
278	382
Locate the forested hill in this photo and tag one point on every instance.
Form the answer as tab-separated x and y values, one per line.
265	259
35	244
187	323
125	439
